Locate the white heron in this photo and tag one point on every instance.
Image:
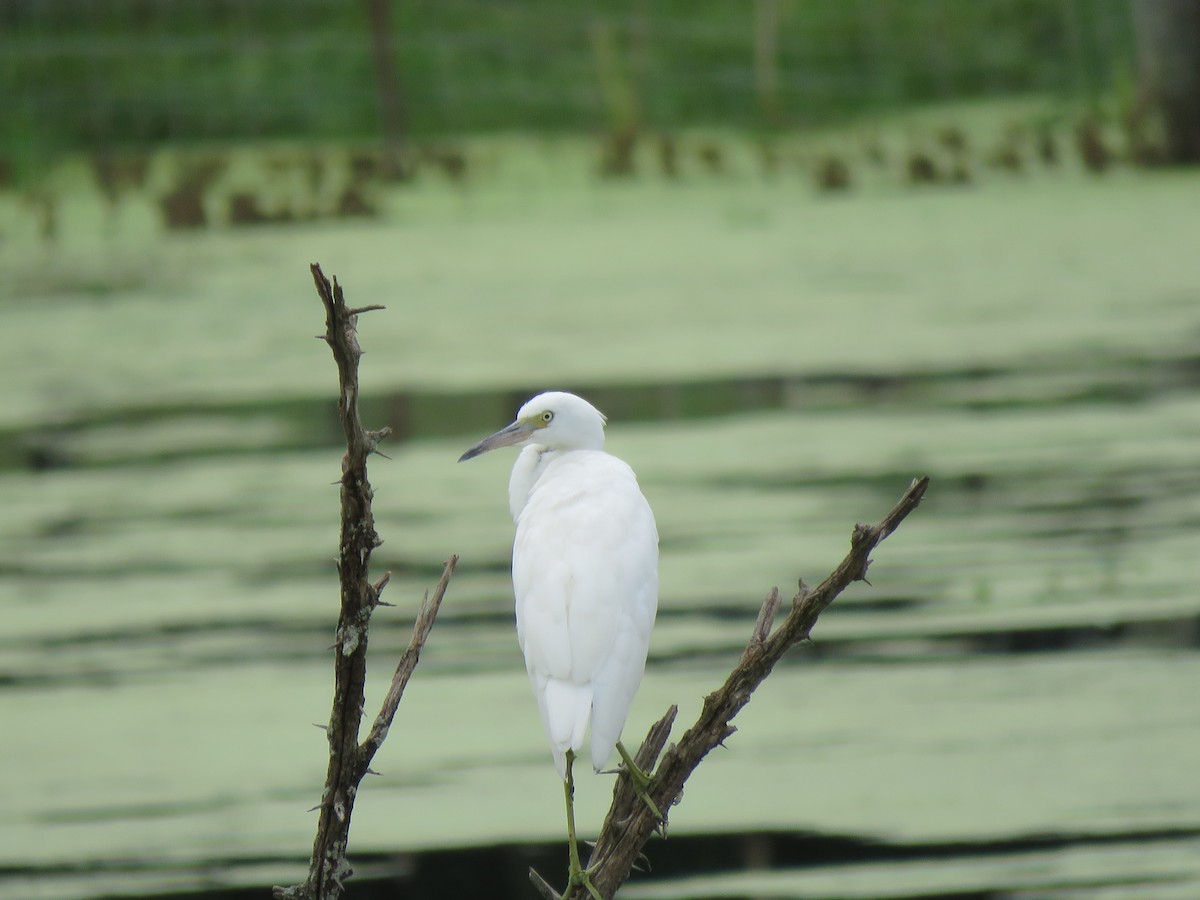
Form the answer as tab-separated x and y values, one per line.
585	576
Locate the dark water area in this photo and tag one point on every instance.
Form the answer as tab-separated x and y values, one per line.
447	874
311	423
501	871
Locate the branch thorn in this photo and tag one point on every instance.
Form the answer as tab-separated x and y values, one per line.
541	886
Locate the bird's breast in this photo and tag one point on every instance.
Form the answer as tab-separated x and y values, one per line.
585	565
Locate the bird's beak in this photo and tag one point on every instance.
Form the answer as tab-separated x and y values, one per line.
516	433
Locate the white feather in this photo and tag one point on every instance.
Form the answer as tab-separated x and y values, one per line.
585	576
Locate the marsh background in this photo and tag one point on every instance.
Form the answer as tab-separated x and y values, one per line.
799	252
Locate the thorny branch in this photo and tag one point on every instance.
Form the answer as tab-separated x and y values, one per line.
630	823
349	761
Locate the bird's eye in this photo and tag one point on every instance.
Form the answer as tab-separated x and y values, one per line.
547	416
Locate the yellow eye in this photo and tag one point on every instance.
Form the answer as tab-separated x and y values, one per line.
547	416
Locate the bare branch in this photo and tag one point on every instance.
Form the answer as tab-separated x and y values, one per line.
404	669
348	761
630	823
766	618
540	885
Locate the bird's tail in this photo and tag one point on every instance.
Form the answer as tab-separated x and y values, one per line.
566	710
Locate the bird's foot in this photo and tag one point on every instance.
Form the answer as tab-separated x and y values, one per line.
580	877
639	780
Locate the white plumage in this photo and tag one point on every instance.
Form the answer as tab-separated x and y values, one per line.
585	572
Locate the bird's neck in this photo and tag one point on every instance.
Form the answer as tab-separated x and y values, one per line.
530	464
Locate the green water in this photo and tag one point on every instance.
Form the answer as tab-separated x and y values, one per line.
776	366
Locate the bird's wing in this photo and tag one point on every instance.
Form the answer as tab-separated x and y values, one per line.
585	575
619	677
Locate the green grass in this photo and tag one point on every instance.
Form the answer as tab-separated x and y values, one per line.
267	69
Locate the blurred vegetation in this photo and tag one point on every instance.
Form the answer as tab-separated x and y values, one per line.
86	73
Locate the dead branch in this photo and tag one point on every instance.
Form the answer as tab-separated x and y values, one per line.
630	823
349	761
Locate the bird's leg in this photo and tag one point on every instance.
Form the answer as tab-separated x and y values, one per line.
577	875
639	780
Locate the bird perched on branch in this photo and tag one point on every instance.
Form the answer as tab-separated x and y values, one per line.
585	576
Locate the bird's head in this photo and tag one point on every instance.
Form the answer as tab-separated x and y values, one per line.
554	420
